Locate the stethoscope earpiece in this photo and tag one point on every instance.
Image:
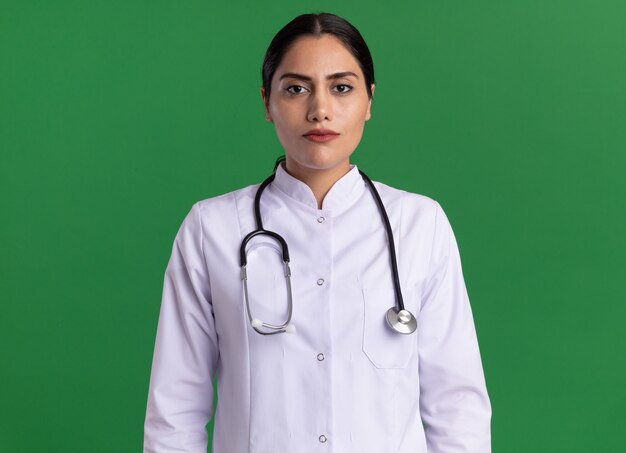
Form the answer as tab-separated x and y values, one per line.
288	328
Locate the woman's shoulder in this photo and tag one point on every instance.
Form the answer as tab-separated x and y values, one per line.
408	199
219	212
227	200
417	209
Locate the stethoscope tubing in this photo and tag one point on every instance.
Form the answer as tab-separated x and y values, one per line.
394	314
392	248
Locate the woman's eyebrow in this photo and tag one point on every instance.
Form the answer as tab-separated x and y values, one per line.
336	75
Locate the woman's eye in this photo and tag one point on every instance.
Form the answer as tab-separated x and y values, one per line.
343	88
291	89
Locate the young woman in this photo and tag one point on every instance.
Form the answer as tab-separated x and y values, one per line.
331	308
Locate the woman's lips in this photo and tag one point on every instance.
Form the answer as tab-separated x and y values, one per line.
324	135
317	138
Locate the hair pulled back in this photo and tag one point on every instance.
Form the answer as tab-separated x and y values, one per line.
317	24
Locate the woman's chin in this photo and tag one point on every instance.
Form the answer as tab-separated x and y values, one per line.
320	163
320	159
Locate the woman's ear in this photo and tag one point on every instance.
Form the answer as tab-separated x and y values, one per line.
266	104
368	115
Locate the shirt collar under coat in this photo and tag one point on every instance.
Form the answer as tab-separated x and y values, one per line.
342	194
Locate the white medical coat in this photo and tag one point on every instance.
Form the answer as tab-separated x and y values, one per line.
344	381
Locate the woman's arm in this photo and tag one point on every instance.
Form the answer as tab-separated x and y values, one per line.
454	404
180	399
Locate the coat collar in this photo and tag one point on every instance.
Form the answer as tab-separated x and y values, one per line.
345	190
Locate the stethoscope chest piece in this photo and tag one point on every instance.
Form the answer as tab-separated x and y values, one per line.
401	321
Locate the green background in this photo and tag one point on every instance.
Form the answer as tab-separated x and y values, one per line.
117	116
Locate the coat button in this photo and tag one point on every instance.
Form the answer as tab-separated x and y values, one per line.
320	356
320	219
320	281
322	438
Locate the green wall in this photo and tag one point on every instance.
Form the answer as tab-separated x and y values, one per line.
117	116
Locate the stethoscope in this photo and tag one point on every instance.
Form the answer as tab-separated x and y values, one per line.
398	318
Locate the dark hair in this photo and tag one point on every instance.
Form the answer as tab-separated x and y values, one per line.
317	25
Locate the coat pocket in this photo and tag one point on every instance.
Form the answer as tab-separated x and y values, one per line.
383	346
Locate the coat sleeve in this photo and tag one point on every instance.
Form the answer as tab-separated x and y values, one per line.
180	396
454	404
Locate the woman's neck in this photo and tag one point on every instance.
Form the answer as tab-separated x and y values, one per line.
319	181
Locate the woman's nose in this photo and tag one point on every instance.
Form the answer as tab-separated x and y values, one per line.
320	108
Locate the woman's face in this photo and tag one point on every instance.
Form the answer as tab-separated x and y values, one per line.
318	85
